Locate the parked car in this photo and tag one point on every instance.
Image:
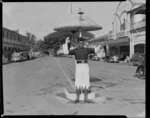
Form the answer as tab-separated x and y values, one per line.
140	71
46	52
20	56
135	60
32	55
36	54
114	59
107	58
90	57
16	57
96	58
5	60
24	56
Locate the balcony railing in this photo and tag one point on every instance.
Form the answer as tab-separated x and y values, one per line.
9	41
138	25
15	42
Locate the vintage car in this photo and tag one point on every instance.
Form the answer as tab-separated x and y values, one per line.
20	56
96	58
140	71
16	57
5	60
135	60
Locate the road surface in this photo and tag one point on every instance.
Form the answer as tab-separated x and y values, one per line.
36	87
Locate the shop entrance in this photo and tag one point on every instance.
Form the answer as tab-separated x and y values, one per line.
125	50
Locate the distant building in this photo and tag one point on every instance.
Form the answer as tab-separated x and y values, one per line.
13	41
99	40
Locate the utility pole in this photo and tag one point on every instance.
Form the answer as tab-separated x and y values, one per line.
81	19
71	8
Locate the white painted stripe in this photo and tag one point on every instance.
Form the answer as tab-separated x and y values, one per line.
68	79
125	89
122	89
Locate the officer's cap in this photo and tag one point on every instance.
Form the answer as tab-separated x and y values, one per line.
82	39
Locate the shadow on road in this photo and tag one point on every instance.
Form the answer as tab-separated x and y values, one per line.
92	79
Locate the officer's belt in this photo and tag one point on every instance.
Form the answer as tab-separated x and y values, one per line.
82	61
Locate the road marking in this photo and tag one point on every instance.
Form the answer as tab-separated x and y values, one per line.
121	89
68	79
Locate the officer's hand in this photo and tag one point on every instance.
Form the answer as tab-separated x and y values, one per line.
99	46
67	40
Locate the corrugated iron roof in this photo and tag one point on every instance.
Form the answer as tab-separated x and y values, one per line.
73	21
117	41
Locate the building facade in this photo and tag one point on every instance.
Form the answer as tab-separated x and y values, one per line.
98	40
14	42
128	29
137	29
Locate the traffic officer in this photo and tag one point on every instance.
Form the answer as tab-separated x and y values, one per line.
82	79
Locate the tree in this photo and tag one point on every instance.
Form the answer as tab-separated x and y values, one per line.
32	38
39	45
88	35
56	39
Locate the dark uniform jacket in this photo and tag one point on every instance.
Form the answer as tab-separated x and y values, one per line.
81	53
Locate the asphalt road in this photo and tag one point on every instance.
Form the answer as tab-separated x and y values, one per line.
37	87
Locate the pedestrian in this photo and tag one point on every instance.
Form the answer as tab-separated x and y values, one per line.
82	79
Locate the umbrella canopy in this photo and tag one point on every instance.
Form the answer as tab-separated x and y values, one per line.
74	22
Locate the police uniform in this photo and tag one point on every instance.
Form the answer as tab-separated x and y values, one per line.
82	79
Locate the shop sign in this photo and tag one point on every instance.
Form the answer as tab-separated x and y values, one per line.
120	34
139	40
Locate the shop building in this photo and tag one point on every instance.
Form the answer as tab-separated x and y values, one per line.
14	42
137	29
127	29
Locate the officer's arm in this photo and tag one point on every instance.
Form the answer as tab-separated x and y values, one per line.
65	46
67	50
97	49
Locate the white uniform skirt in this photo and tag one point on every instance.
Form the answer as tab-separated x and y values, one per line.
82	79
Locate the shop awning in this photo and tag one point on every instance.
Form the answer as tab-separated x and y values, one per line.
118	42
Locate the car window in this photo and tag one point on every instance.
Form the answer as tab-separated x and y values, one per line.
16	55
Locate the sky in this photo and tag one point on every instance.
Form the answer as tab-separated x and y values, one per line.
40	18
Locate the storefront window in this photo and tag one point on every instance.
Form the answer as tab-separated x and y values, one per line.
139	48
124	50
11	36
15	37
